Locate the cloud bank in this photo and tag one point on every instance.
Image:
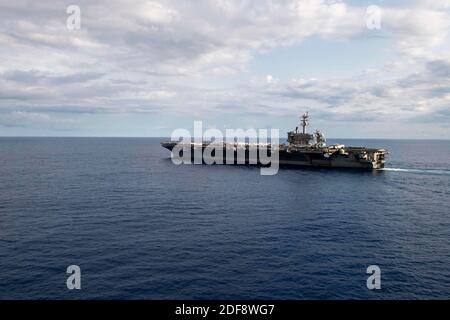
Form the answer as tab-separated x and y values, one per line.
192	58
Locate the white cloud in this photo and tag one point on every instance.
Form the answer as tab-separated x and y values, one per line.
34	119
418	29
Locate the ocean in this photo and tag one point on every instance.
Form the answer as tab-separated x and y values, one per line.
140	227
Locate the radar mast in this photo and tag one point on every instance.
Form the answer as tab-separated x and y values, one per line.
304	121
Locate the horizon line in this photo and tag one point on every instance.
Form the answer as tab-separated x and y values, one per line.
167	137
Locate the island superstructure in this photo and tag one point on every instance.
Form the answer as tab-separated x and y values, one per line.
307	150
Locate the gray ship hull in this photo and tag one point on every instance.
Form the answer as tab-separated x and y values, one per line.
347	157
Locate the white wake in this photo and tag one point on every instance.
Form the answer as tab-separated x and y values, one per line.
420	171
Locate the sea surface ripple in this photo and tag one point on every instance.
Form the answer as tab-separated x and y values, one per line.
141	227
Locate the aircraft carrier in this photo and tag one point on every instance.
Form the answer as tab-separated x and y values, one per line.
302	149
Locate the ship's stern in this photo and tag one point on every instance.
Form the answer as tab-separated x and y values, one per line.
168	144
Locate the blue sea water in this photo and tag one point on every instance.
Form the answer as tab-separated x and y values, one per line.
141	227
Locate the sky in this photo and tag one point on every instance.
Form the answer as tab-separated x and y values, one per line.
362	69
